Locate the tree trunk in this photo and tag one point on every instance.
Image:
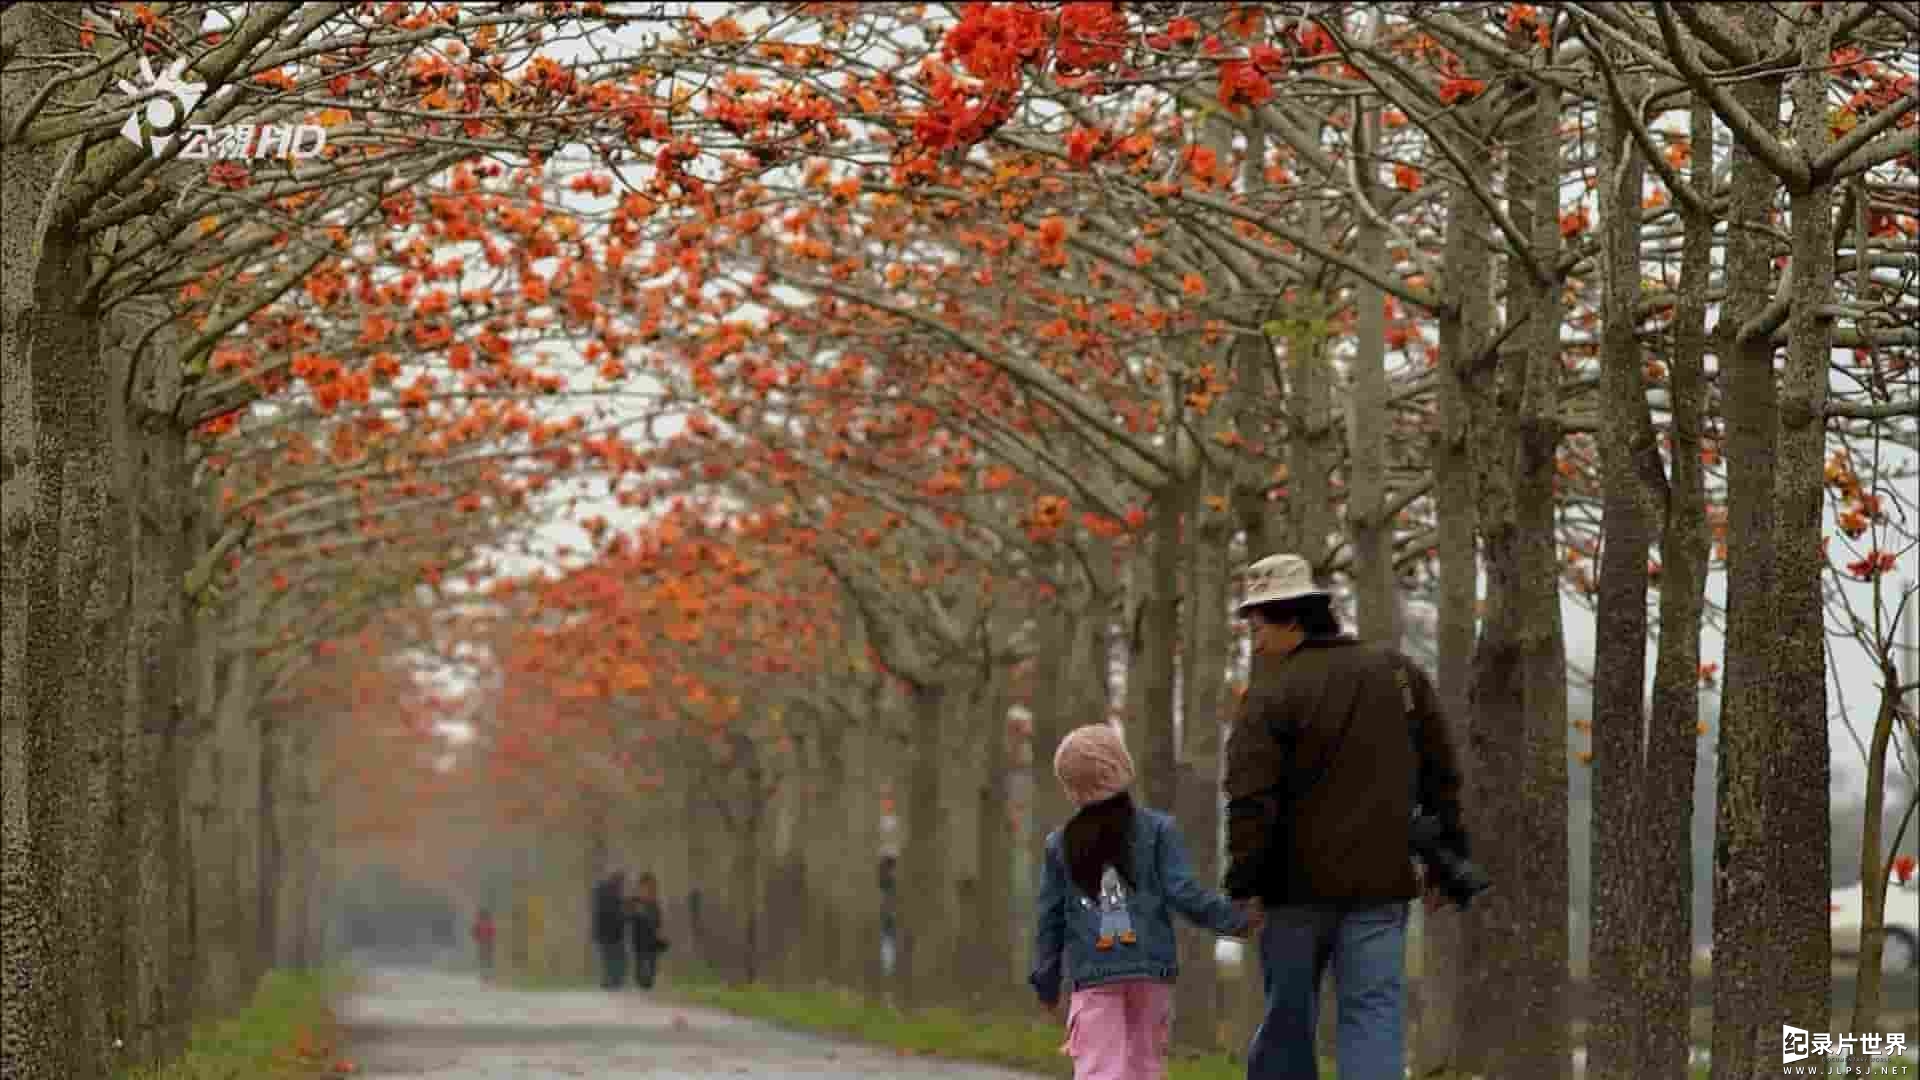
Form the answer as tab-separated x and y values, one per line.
1665	922
60	664
1633	485
746	882
200	685
1746	983
274	841
1203	662
962	748
1440	1036
31	1032
54	553
1069	641
1150	726
782	899
1873	868
291	849
1370	528
1311	421
159	488
229	860
873	769
994	851
98	872
924	889
1519	734
320	898
695	825
303	884
1799	766
799	813
1542	982
835	860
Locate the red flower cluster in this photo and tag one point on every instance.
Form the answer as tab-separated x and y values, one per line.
994	41
1092	36
1242	84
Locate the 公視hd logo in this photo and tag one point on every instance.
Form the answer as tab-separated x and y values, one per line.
162	119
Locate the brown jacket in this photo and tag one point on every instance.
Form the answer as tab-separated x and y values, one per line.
1348	712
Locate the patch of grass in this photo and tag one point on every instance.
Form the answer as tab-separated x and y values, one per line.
996	1039
546	980
947	1033
287	1032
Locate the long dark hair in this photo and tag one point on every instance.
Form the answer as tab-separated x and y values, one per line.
1099	836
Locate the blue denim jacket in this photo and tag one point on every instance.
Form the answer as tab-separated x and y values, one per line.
1070	921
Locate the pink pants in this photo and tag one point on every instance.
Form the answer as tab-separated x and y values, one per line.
1120	1030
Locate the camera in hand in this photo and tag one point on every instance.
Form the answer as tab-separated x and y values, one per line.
1457	877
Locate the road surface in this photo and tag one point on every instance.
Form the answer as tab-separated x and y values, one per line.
420	1023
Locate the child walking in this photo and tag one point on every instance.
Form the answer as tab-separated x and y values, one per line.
1112	876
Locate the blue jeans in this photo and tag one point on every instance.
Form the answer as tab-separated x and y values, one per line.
613	964
1366	945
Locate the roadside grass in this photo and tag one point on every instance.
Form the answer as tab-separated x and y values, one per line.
545	980
992	1038
960	1035
955	1034
287	1032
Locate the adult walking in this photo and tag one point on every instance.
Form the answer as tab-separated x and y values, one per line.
643	920
483	934
1336	743
610	928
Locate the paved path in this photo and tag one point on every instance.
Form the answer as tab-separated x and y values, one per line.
414	1023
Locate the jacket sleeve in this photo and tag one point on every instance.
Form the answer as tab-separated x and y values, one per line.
1201	905
1440	778
1050	925
1255	764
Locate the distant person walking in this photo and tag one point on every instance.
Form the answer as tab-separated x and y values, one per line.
1111	877
483	933
643	919
610	929
889	887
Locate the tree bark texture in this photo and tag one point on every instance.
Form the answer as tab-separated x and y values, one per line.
1440	1036
1203	678
994	851
924	888
1150	727
1369	526
62	677
1519	741
158	481
1312	425
1746	979
1665	922
1632	485
1799	769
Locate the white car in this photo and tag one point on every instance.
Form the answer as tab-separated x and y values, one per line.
1902	949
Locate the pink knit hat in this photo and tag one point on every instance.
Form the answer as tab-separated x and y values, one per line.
1093	764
